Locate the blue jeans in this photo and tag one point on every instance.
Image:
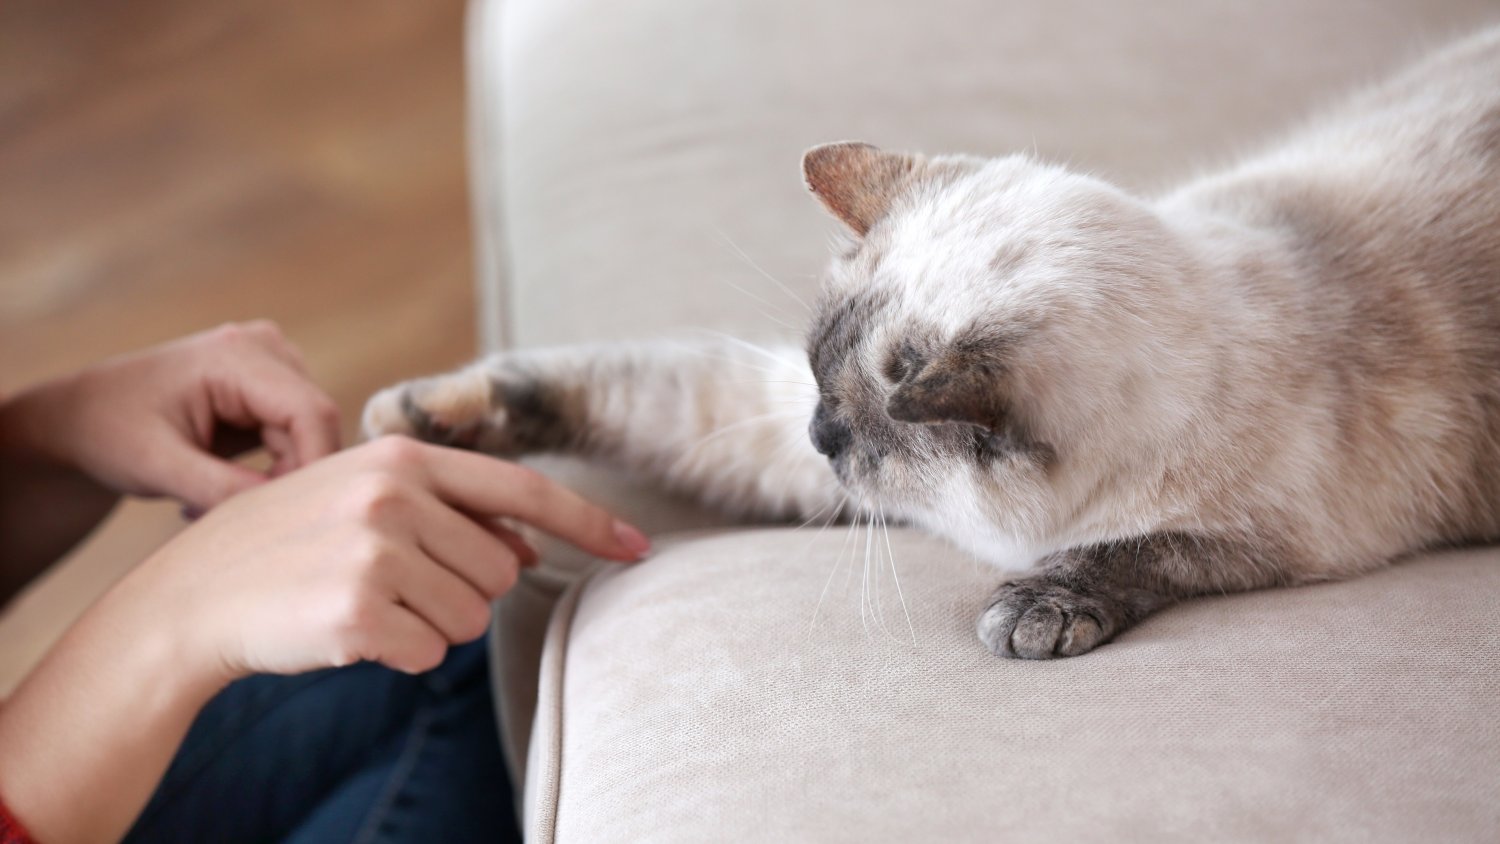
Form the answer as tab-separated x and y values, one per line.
359	754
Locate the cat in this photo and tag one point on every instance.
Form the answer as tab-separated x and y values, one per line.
1284	373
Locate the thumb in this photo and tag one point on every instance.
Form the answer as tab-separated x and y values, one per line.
199	479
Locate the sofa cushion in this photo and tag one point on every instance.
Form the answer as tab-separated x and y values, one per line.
705	695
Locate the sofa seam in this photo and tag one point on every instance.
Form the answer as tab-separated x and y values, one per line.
559	638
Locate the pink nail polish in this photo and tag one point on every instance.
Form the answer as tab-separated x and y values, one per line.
634	541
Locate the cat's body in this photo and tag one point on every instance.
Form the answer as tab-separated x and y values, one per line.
1286	373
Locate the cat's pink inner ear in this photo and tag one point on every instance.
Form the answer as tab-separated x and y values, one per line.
855	181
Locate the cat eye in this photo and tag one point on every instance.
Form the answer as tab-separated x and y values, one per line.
895	369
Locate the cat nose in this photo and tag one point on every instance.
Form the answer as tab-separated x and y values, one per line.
830	436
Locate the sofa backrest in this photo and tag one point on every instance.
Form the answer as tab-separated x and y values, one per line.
637	163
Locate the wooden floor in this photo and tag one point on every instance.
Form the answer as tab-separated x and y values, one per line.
168	165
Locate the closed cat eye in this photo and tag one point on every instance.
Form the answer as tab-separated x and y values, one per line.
903	360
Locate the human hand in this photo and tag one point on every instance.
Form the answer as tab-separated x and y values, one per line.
386	552
145	423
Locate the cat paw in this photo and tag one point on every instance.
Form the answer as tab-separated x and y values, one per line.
498	407
454	409
1036	618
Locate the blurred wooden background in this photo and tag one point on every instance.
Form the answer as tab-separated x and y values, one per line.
167	165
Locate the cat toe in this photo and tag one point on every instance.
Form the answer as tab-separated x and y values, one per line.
450	407
1080	635
383	414
1039	620
1036	632
447	409
997	623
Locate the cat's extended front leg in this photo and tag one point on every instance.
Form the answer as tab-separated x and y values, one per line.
719	419
1083	597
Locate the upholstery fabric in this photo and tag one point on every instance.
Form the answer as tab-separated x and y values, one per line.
694	698
636	172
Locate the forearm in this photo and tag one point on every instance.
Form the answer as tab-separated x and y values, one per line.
88	734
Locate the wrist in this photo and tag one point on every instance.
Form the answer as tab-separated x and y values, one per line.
164	643
34	423
97	722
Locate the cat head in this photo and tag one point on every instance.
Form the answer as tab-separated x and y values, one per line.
989	332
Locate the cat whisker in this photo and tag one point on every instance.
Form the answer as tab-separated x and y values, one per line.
885	529
783	369
757	267
849	573
694	449
832	517
777	365
743	423
747	345
819	512
864	583
878	606
762	311
837	563
795	449
876	576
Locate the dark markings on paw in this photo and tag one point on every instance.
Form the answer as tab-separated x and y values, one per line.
539	417
428	429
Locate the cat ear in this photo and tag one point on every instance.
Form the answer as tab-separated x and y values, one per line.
855	181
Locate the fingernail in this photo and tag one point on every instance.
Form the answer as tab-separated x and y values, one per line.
530	557
634	541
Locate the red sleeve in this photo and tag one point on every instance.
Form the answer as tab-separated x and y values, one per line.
11	831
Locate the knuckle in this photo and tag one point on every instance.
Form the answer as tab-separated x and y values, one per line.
529	483
476	622
342	656
263	328
326	410
428	655
228	334
505	578
395	452
373	554
376	497
353	620
239	335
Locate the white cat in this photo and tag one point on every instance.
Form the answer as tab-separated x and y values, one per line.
1285	373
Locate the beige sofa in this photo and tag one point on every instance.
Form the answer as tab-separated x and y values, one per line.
636	172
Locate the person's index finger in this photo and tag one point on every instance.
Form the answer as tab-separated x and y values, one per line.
491	487
278	395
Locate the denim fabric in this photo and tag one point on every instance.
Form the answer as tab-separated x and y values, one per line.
359	754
